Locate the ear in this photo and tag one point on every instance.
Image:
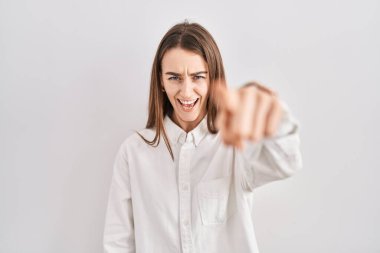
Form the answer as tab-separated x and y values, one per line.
162	83
162	86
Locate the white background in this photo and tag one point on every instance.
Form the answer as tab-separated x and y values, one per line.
74	79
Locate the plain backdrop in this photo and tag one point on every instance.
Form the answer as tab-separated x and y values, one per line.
74	81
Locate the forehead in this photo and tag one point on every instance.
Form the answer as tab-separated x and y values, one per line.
180	60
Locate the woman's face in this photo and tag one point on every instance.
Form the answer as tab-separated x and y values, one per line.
185	80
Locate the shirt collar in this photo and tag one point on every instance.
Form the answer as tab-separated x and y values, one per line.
177	135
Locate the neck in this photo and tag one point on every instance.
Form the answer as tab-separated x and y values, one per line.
186	125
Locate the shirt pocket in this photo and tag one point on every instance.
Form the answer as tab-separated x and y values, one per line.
215	198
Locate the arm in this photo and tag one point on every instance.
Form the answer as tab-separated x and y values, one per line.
273	158
119	227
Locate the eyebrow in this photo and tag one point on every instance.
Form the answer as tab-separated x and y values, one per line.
192	74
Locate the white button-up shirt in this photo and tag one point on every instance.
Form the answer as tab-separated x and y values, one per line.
201	202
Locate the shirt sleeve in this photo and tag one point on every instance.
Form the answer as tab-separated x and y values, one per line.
273	158
118	234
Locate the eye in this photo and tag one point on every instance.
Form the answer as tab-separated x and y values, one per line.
175	78
199	77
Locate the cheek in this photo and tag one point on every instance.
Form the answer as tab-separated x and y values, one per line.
171	94
203	90
170	90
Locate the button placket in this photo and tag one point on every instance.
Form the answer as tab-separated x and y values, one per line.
185	187
185	195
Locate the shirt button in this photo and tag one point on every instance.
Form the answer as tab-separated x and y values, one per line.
219	219
185	187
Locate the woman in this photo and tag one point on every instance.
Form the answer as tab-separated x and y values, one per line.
185	182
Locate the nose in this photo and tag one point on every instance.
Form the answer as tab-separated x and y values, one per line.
187	88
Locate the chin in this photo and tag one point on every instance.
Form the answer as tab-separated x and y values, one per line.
188	117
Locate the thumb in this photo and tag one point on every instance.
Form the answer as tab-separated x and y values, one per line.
226	99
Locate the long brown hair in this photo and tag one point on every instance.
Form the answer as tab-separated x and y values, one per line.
195	38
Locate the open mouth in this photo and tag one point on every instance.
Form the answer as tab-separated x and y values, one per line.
188	104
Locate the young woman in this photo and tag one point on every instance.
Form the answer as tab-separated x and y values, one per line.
185	183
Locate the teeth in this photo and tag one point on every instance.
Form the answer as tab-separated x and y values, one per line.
187	102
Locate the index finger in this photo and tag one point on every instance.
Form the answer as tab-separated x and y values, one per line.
224	98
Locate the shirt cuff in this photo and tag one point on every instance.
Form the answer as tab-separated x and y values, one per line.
288	123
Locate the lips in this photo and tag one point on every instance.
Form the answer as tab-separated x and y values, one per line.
188	101
187	104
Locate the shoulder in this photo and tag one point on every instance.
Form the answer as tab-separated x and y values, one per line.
135	141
